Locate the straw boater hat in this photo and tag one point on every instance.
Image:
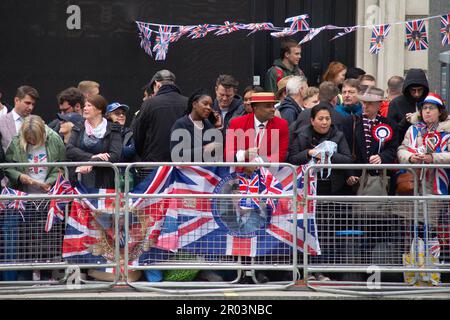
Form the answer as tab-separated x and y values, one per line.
281	86
371	94
263	97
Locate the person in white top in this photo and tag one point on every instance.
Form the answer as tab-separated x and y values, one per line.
24	103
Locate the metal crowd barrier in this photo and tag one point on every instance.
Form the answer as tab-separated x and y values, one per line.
368	242
26	246
201	258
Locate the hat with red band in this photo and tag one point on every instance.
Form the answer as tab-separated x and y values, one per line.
263	97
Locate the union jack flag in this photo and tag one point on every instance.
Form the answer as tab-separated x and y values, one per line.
344	32
145	33
416	35
258	27
18	205
201	31
183	30
228	27
249	186
379	33
445	29
57	207
162	42
298	23
285	33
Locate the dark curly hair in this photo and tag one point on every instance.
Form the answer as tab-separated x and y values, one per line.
197	95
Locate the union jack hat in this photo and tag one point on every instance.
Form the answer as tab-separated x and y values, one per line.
263	97
434	98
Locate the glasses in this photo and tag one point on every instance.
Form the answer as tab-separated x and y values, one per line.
431	108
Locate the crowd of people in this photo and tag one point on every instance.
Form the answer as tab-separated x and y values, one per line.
287	121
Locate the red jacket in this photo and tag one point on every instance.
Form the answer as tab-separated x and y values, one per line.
273	146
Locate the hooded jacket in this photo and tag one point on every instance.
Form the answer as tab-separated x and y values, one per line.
272	74
400	106
289	110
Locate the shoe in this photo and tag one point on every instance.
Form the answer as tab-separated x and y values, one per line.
210	276
311	277
321	277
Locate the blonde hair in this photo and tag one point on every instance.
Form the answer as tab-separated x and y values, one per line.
33	127
311	92
87	86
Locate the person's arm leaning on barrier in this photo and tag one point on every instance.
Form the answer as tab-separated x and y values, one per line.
73	152
403	153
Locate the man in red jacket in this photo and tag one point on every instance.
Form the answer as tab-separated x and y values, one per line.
258	136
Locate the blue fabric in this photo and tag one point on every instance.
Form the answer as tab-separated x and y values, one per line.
346	111
10	237
153	275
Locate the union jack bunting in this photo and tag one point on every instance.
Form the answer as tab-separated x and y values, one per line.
201	31
57	206
313	32
255	27
145	33
344	32
228	27
162	42
298	23
285	33
445	29
379	33
416	35
222	227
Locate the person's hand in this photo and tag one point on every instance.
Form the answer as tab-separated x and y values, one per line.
416	158
45	187
251	153
102	156
375	159
84	169
218	123
408	116
351	181
26	180
211	147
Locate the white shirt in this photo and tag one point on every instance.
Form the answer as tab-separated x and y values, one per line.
4	110
240	155
37	155
18	120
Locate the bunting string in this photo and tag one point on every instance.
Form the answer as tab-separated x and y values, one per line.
156	38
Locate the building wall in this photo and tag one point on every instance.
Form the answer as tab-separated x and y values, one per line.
394	58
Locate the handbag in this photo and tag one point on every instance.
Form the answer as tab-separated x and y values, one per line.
373	185
405	184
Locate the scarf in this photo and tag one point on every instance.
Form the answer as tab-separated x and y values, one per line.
99	131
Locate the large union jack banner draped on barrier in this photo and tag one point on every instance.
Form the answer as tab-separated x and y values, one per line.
416	35
160	227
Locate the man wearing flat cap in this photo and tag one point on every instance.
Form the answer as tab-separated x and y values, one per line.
258	136
372	138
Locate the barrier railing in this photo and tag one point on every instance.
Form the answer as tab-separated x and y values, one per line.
352	232
26	246
379	235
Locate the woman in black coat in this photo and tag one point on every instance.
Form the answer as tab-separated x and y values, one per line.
95	140
193	138
306	139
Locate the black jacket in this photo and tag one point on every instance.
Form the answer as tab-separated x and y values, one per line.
400	106
112	144
388	152
303	141
157	116
289	110
236	109
197	142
